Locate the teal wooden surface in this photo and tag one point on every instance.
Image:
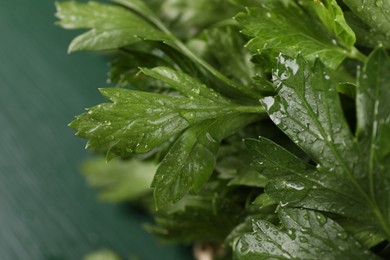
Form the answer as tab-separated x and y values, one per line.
46	209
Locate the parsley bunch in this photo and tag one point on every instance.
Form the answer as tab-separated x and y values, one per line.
266	136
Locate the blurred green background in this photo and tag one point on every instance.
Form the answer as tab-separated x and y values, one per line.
46	209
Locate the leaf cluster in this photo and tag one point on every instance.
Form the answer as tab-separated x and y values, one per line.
304	83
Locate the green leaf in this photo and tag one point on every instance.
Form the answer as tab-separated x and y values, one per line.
365	35
191	160
374	13
140	7
118	180
265	213
111	26
351	176
308	110
373	113
225	50
263	200
295	183
285	27
332	17
304	234
185	84
137	122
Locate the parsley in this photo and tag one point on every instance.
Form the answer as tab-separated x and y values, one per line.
304	83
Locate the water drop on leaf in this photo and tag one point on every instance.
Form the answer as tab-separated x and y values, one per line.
303	239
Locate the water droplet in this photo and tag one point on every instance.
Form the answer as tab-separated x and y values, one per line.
295	186
321	219
289	64
283	204
379	3
342	235
360	8
303	239
305	230
268	102
195	90
334	42
268	14
210	138
243	247
291	234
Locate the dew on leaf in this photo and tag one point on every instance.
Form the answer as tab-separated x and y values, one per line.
342	235
303	239
321	219
283	204
360	8
305	230
295	186
291	234
268	102
210	138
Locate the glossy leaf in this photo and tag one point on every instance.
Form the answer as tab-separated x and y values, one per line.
185	84
283	27
110	26
332	17
298	184
304	234
191	160
137	121
374	13
308	110
351	176
365	35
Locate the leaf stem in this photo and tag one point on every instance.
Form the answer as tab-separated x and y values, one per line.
356	54
186	51
385	226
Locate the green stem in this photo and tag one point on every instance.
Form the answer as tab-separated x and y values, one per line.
356	54
385	226
251	109
186	51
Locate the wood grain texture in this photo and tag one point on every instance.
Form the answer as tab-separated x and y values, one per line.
46	209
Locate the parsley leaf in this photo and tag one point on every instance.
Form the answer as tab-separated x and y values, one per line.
305	234
111	26
137	122
283	27
373	13
350	178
